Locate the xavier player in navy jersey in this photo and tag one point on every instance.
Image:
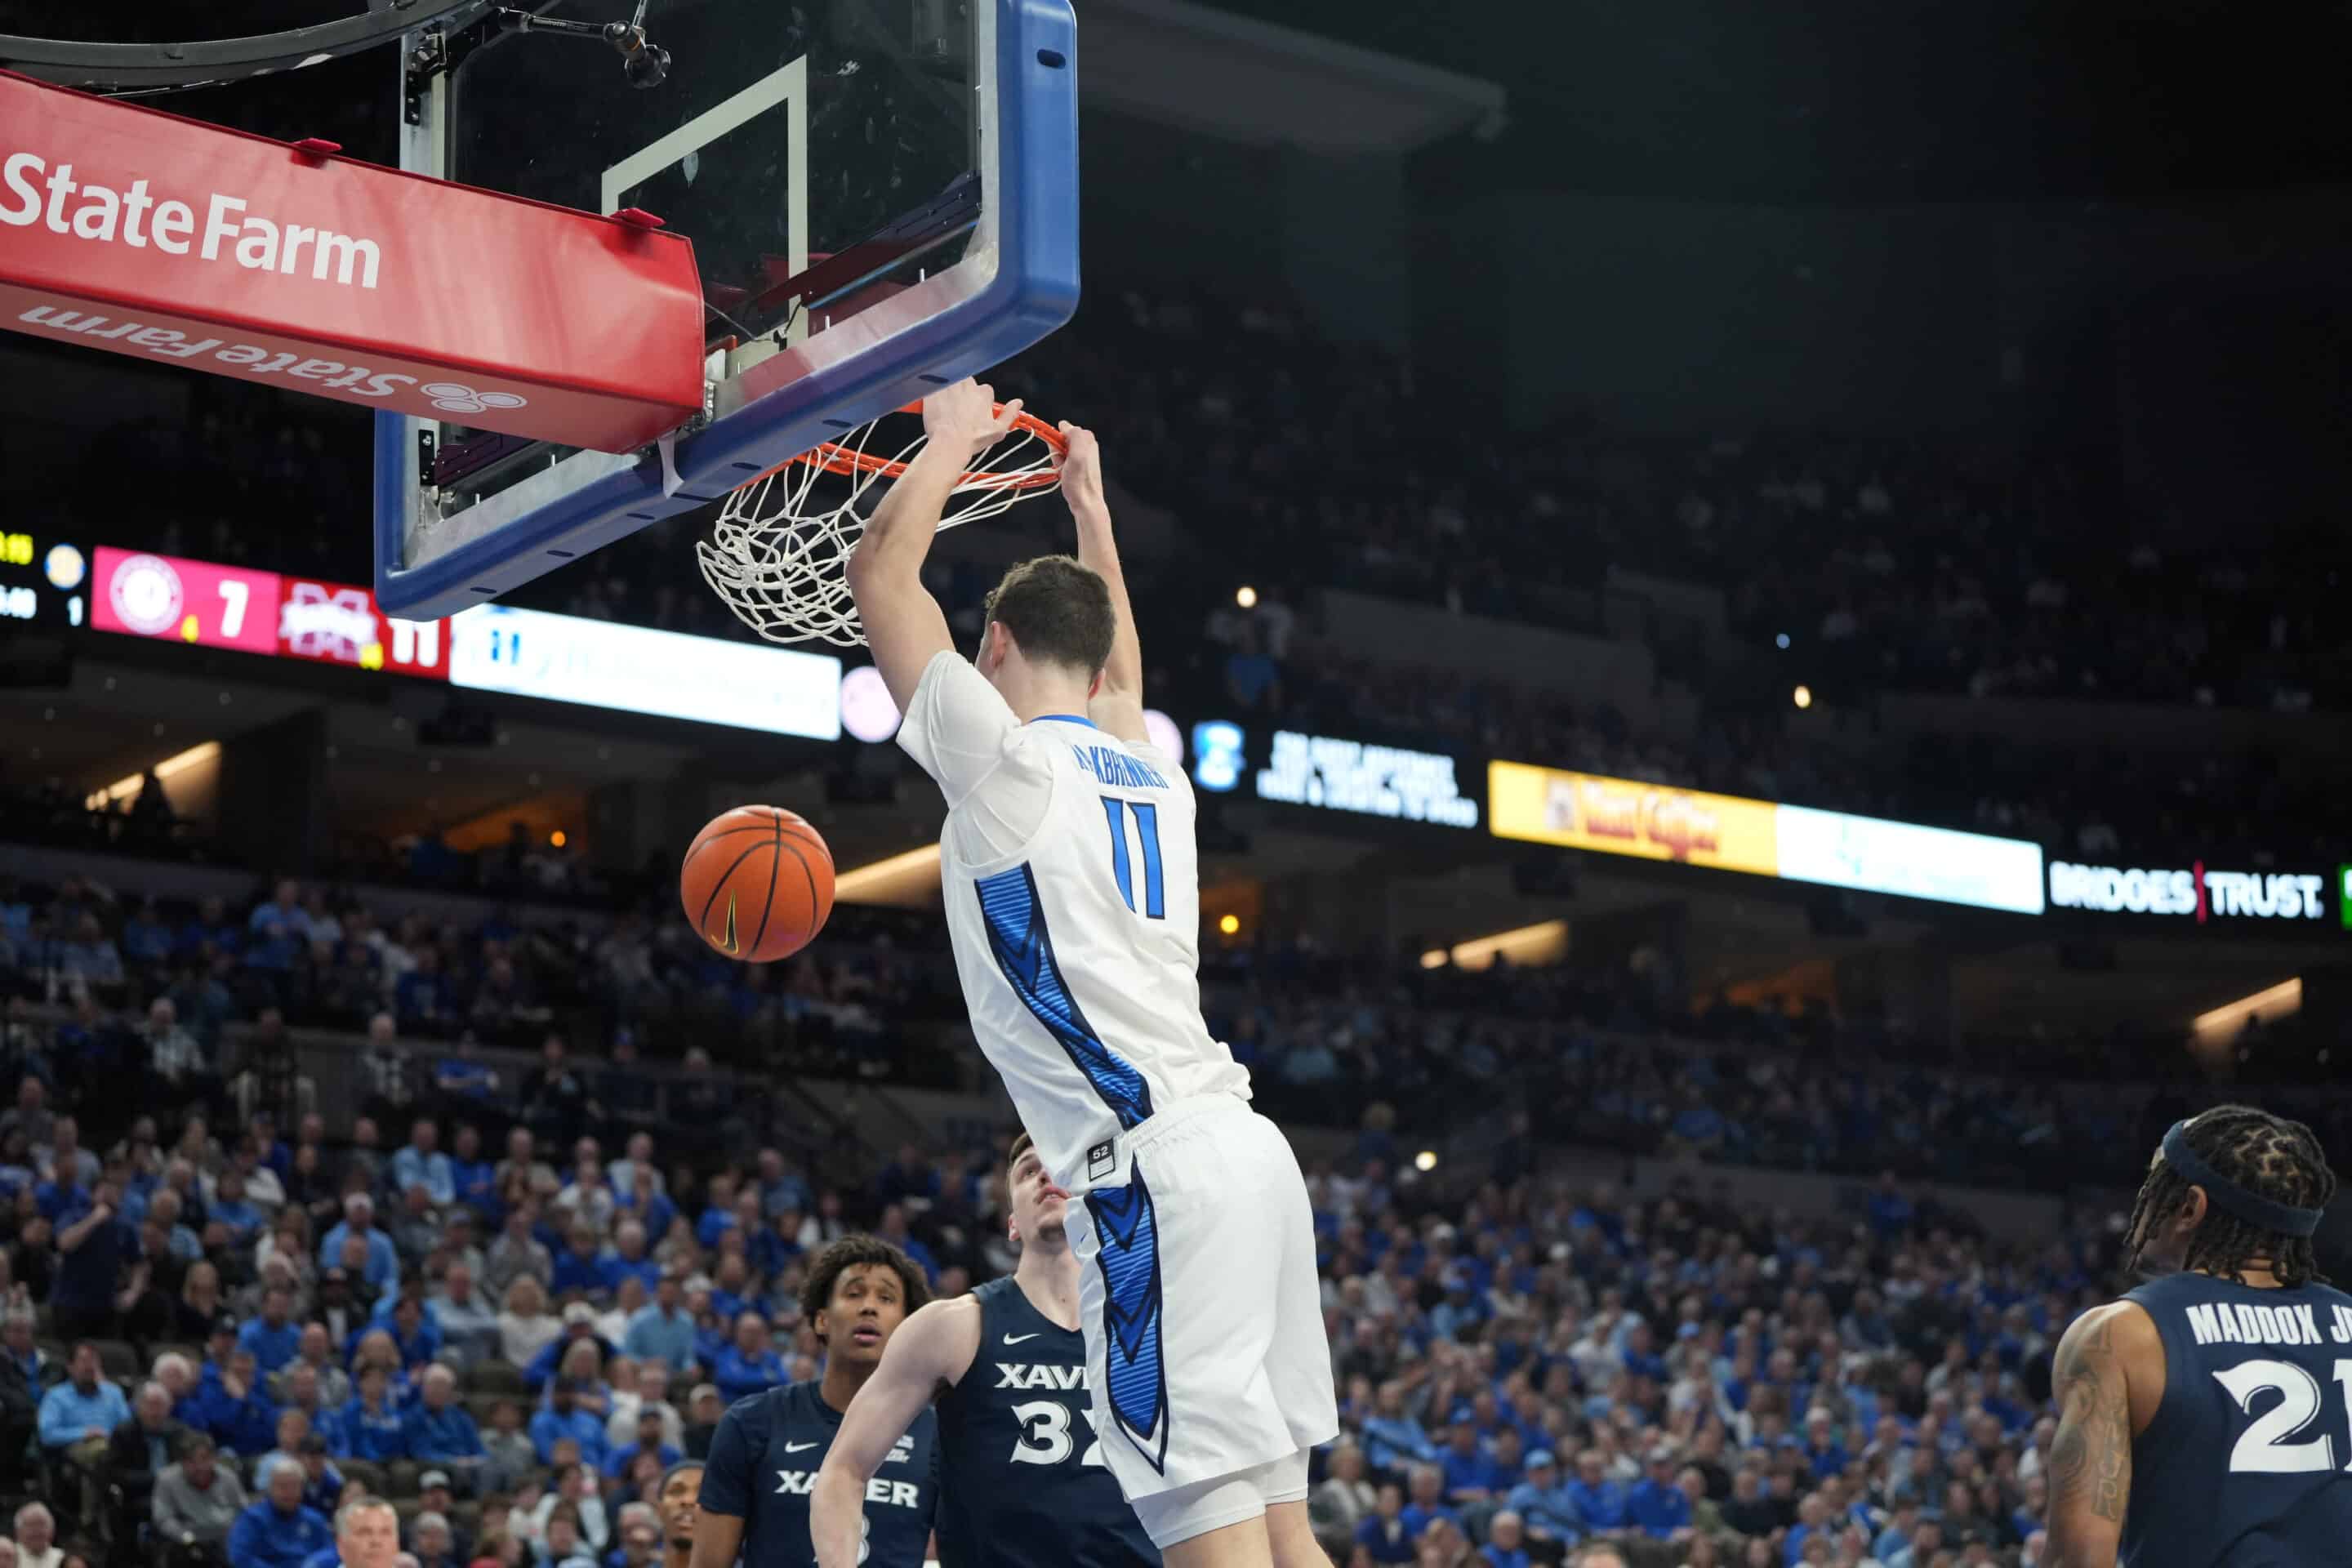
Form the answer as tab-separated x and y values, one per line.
1023	1481
764	1456
2204	1419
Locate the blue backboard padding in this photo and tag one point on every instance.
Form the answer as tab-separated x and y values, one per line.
1035	291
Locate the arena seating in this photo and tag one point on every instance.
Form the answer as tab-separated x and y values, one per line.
1715	1380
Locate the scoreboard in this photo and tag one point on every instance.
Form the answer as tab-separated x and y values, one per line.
43	582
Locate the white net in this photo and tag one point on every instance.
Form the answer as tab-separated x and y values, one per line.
779	548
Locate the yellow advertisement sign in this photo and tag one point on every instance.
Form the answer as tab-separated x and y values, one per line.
1619	817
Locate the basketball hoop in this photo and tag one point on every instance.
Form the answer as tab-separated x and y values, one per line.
778	552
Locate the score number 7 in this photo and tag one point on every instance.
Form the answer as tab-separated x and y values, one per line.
233	597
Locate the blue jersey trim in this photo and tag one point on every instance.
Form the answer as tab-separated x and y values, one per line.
1023	951
1064	719
1127	1251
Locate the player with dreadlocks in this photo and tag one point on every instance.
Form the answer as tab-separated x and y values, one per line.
2205	1419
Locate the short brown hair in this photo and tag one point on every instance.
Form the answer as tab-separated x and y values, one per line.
854	1252
1022	1142
1058	610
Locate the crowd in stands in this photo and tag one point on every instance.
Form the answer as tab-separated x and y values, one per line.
505	1296
217	1329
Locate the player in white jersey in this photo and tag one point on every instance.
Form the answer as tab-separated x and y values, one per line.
1073	896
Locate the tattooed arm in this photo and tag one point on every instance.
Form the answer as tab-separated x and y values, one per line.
2102	1356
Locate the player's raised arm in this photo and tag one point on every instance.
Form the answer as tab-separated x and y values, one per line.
933	1347
1118	704
903	623
2091	1457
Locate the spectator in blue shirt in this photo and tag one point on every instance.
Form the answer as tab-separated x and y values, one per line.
359	1219
778	1248
273	1338
278	1532
92	1250
663	1329
232	1208
61	1201
1599	1502
1469	1474
649	1441
1506	1542
236	1408
628	1258
643	1200
421	1164
1382	1534
1824	1454
579	1323
440	1431
474	1178
1427	1502
1656	1503
1641	1360
371	1425
1392	1438
579	1268
281	914
1544	1505
81	1414
563	1418
748	1367
468	1317
893	1229
415	1333
781	1188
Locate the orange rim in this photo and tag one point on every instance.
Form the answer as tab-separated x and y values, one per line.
835	459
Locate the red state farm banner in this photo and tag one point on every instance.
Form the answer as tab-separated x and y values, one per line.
151	235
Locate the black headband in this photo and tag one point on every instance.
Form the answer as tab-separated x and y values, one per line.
2229	1196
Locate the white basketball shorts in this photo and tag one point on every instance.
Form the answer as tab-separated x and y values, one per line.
1198	1295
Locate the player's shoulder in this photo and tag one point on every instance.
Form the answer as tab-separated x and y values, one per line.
944	1333
2120	1332
756	1413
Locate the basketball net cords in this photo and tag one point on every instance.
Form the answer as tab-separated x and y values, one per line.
780	565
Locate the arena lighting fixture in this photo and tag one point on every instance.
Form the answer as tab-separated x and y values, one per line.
1803	697
1230	924
1543	943
2271	1003
121	789
894	875
1425	1161
1245	596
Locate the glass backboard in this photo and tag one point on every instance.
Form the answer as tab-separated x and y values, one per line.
881	195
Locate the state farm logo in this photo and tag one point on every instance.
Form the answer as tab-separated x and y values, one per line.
255	361
146	594
453	398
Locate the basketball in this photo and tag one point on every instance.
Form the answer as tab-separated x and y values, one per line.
757	883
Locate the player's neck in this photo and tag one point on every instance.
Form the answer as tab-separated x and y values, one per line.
842	1380
677	1556
1033	693
2255	1275
1048	1275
